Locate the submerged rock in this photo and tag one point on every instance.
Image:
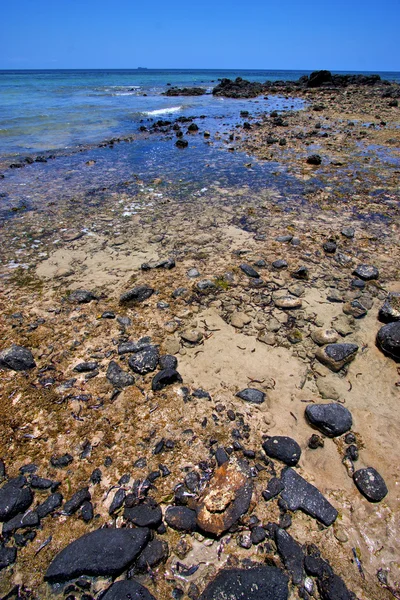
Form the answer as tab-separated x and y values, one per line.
225	499
283	448
17	358
127	590
371	484
299	494
257	583
335	356
104	552
388	339
331	419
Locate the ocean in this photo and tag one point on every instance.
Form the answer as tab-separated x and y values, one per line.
61	109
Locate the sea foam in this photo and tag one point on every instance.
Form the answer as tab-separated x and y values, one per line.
162	111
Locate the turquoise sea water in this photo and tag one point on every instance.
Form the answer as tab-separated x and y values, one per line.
53	110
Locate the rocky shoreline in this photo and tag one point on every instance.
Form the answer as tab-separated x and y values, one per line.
198	395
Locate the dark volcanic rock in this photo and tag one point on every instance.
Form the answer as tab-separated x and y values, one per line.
7	556
145	360
139	293
292	555
17	358
127	590
390	311
86	367
118	377
155	553
370	484
388	339
58	462
251	395
147	514
335	356
366	272
164	378
192	91
181	143
318	78
76	501
239	88
14	498
332	587
314	159
168	361
249	271
51	503
258	583
274	488
181	518
102	552
331	419
30	519
81	297
299	494
283	448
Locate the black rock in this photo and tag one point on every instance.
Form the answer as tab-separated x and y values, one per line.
145	360
127	590
314	159
164	378
301	273
274	488
284	238
30	519
366	272
86	367
390	311
129	347
331	419
251	395
370	484
318	78
283	448
335	356
28	469
136	294
155	553
104	552
388	339
299	494
258	535
58	462
72	505
14	498
40	483
333	587
118	377
280	264
257	583
221	456
249	271
51	503
292	555
81	297
87	512
147	514
181	518
17	358
7	556
167	361
117	501
181	143
96	476
315	441
330	247
3	474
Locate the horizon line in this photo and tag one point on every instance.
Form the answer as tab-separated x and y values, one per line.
188	69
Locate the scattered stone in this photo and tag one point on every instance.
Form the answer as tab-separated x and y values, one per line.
192	336
146	514
284	238
280	264
292	555
205	285
81	297
118	377
330	247
137	294
371	484
181	518
355	309
129	589
324	336
335	356
14	498
348	232
263	582
301	273
366	272
51	503
274	488
181	143
225	499
22	520
287	302
87	512
239	320
388	339
76	501
86	367
299	494
192	273
59	462
283	448
314	159
8	556
334	295
390	311
315	441
257	535
156	552
144	361
332	587
17	358
104	552
249	271
251	395
331	419
164	378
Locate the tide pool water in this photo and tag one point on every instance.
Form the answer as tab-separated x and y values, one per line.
55	110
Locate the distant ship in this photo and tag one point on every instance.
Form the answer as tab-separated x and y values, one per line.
142	69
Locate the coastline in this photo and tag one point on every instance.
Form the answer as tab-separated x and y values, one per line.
228	334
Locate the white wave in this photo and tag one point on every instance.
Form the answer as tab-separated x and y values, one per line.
162	111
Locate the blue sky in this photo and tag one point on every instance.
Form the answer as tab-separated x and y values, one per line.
295	34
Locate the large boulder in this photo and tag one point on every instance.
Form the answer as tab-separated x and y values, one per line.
17	358
388	339
257	583
318	78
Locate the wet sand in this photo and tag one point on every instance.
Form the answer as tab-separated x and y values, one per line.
242	339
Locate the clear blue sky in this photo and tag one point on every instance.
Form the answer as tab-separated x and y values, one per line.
258	34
